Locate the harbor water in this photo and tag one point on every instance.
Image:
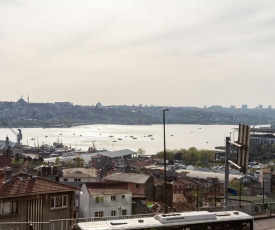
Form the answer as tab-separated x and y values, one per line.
133	137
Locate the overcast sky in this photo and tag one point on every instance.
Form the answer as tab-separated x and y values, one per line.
150	52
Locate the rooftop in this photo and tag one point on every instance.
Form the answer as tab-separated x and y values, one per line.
114	154
128	177
79	172
107	188
23	184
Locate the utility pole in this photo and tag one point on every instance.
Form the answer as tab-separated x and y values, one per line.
197	197
215	194
164	153
226	174
240	196
263	196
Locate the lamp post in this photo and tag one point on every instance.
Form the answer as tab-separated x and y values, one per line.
164	142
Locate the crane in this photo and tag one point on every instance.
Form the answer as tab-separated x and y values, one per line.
18	134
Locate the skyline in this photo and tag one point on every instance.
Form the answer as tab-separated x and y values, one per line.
243	106
156	52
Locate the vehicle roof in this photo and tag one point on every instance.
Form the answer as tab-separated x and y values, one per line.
147	222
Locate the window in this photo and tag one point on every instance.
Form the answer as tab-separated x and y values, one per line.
10	207
137	185
113	198
124	212
98	214
99	199
65	179
59	201
123	196
113	213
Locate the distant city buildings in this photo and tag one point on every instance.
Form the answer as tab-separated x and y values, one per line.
65	114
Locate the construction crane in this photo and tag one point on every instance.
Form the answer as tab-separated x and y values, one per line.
18	134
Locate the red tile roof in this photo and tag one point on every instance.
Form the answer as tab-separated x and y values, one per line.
23	184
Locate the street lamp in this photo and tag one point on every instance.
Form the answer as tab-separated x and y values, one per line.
164	142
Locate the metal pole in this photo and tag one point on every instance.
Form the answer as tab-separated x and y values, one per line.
240	196
215	194
164	142
226	174
197	197
263	195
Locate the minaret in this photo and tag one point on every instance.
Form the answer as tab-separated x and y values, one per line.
28	99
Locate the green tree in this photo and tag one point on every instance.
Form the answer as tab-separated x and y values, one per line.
178	156
206	156
169	155
57	161
193	155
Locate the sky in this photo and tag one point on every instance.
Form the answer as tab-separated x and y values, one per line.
131	52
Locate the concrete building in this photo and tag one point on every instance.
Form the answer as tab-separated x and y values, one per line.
105	199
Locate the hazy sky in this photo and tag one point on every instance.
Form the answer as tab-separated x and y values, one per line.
160	52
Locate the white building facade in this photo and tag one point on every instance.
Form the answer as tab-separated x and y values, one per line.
102	202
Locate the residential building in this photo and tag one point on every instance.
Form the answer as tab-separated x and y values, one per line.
183	184
78	176
26	198
105	199
138	184
265	180
160	194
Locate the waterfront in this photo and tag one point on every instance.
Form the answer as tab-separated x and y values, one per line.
133	137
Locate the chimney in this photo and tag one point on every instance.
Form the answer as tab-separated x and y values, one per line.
8	173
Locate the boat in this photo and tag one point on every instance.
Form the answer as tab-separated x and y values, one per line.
93	149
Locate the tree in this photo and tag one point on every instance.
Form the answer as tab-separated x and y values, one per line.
169	155
193	155
206	156
57	161
79	161
178	155
141	151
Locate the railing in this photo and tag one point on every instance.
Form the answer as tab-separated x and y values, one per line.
24	225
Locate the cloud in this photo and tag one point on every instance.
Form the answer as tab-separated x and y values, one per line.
145	44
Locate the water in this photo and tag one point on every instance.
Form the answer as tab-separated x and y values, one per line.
82	137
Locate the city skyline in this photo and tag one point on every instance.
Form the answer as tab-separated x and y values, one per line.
98	103
156	52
